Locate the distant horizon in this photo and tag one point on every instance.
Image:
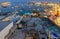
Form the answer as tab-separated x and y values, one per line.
29	0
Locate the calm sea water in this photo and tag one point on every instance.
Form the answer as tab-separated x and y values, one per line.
20	2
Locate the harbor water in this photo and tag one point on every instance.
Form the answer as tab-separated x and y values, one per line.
21	7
